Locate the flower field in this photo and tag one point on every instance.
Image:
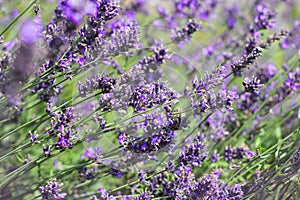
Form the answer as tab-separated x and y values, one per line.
142	100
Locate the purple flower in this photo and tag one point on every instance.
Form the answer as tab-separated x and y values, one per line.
105	84
247	59
47	150
296	159
117	173
51	191
252	85
143	196
92	153
75	10
237	153
264	18
203	96
195	153
185	33
150	95
104	195
214	157
30	32
33	137
234	192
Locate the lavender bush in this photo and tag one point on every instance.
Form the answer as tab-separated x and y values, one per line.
182	99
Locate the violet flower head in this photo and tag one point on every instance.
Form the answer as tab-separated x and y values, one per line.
52	191
149	95
33	137
107	9
203	96
92	153
237	153
98	82
195	153
62	129
75	10
290	86
195	8
183	184
293	81
264	18
47	150
30	31
296	159
185	33
206	186
126	35
214	157
252	85
234	192
123	39
247	59
104	195
116	173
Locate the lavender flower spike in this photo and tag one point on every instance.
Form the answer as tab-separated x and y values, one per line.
51	191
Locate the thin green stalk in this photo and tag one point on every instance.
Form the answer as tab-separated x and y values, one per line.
18	17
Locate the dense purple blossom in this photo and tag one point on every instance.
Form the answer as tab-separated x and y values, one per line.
195	153
210	187
104	195
116	173
105	84
288	88
52	191
202	89
75	10
237	153
144	75
182	185
150	95
30	32
206	187
246	60
196	9
158	141
235	192
264	18
296	159
124	37
248	102
252	85
143	196
217	125
62	130
185	33
204	97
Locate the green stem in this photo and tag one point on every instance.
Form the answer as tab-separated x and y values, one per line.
18	17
